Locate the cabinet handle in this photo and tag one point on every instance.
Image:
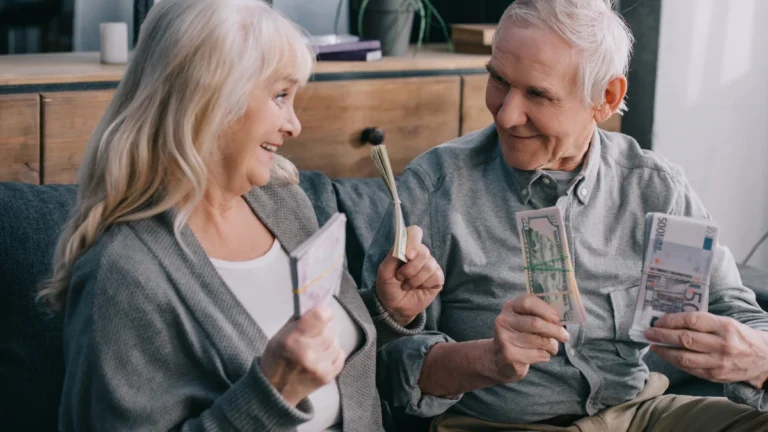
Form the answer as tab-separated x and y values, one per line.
372	135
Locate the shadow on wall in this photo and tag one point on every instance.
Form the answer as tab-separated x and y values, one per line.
711	111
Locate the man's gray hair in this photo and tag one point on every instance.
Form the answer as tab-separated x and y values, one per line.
591	26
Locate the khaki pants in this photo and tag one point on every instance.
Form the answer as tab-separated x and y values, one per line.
651	410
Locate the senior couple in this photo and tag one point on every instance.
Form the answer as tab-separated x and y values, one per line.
174	279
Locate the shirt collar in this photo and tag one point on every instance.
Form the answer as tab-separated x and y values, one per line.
583	183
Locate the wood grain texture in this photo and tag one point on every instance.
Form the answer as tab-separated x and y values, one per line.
68	120
475	115
62	68
20	138
415	114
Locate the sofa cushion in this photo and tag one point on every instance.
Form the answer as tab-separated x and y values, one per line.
31	360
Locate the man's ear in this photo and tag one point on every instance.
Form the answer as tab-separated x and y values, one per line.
614	94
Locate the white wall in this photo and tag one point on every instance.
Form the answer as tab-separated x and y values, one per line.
90	13
711	113
317	16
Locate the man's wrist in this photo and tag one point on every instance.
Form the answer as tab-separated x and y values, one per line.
399	318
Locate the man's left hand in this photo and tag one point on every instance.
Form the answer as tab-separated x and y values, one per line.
715	348
405	290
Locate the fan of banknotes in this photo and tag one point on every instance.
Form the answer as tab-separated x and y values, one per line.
676	268
548	267
381	159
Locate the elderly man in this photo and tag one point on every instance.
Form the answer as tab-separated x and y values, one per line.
493	358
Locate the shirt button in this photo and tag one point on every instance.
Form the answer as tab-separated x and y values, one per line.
525	192
545	181
583	192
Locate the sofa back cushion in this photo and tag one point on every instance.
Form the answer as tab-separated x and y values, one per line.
31	361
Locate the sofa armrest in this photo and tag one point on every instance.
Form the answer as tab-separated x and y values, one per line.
756	280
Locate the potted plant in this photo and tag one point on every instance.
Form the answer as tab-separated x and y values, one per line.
391	21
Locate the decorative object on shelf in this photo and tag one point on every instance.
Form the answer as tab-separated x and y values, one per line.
113	42
391	22
473	38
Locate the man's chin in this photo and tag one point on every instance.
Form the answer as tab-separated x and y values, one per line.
521	161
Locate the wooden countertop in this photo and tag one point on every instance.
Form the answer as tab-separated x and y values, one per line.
84	67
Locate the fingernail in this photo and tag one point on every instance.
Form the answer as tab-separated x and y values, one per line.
566	336
411	254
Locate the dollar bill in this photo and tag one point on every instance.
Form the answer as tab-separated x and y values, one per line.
381	160
548	266
677	262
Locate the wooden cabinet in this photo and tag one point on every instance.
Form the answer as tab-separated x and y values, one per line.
68	120
418	102
415	114
20	138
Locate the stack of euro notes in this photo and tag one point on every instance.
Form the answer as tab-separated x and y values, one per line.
548	266
677	263
381	160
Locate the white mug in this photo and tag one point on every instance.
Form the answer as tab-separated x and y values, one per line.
113	38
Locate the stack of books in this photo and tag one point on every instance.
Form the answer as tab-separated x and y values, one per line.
346	48
472	38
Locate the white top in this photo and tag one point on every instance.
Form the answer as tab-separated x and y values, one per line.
264	287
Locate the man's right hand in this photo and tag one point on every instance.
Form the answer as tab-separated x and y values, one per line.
303	356
527	331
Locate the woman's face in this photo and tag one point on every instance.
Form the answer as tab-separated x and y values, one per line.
249	143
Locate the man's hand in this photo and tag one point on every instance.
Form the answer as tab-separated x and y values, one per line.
715	348
406	290
527	331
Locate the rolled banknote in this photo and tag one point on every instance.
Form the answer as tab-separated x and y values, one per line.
677	263
547	260
381	160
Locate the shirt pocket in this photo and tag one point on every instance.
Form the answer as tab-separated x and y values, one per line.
623	302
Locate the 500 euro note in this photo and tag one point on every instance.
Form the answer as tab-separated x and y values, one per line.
676	268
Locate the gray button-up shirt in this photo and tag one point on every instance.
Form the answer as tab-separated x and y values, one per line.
465	197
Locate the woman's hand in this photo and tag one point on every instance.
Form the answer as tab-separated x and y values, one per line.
406	290
303	356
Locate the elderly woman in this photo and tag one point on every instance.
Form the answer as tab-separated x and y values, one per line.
173	272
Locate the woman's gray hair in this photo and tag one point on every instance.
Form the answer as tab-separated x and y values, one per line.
593	27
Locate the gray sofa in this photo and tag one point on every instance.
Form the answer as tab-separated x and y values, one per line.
31	365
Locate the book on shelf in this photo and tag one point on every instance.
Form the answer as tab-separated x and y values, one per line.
359	55
361	45
474	34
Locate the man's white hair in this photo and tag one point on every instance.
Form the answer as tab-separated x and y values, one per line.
591	26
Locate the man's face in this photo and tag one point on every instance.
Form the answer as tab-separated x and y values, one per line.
533	93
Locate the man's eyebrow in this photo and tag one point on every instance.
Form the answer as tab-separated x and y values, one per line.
493	72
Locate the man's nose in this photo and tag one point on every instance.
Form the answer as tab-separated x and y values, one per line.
512	112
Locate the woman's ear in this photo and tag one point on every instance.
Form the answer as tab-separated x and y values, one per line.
612	98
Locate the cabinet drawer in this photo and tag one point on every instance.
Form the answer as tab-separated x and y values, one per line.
415	114
20	138
68	120
475	115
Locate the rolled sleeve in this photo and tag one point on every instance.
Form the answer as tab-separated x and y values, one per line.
400	364
387	328
746	394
